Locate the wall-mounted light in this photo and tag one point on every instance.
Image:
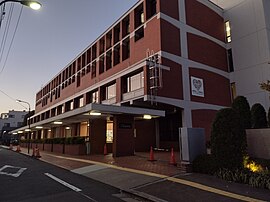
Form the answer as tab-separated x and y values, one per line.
20	132
58	122
67	128
95	113
27	130
39	127
147	116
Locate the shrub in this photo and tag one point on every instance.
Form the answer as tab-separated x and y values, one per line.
241	106
258	116
74	140
58	140
260	180
204	164
48	141
228	139
78	140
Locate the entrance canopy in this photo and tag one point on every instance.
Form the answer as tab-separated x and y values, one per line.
94	111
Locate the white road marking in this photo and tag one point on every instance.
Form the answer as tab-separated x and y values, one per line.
63	182
16	174
79	191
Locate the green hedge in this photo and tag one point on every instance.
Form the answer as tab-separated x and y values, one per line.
69	140
259	180
228	139
75	140
258	116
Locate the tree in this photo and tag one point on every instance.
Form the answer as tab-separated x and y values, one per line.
258	116
228	139
241	106
265	85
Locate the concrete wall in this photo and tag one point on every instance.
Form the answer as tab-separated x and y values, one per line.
250	48
258	141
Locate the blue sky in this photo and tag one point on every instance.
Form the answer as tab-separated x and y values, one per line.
47	40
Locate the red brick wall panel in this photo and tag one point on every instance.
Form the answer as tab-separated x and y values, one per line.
205	19
203	118
170	9
216	88
170	36
207	52
172	80
145	135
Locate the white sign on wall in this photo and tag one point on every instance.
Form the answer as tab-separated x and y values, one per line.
197	87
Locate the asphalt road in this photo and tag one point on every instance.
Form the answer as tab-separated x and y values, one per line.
26	179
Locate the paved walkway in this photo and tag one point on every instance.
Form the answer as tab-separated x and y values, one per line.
154	181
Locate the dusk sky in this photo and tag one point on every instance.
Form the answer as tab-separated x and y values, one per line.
47	40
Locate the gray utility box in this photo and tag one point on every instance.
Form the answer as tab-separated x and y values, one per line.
191	143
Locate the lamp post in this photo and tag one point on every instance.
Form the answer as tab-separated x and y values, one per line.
32	4
29	130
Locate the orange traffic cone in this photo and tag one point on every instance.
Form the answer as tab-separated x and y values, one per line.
37	153
10	146
172	160
105	152
151	155
18	148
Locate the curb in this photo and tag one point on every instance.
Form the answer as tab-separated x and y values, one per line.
142	196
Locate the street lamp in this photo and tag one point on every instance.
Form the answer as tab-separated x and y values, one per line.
29	130
32	4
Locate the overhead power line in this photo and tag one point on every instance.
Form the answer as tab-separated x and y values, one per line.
13	99
5	35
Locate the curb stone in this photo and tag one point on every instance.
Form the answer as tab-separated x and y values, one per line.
143	196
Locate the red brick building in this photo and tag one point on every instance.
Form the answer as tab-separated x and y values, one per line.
165	59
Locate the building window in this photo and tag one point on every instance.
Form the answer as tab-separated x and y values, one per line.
93	75
71	105
228	31
230	60
95	97
233	91
94	51
125	26
116	34
151	8
11	116
109	132
6	124
101	65
88	69
109	60
78	79
135	82
116	55
125	49
81	102
139	16
139	34
101	45
110	91
109	40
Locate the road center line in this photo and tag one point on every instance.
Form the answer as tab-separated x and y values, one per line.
63	182
76	189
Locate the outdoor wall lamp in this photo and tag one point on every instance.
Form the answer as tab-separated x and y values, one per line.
32	4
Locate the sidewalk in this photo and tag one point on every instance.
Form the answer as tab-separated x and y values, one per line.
154	181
